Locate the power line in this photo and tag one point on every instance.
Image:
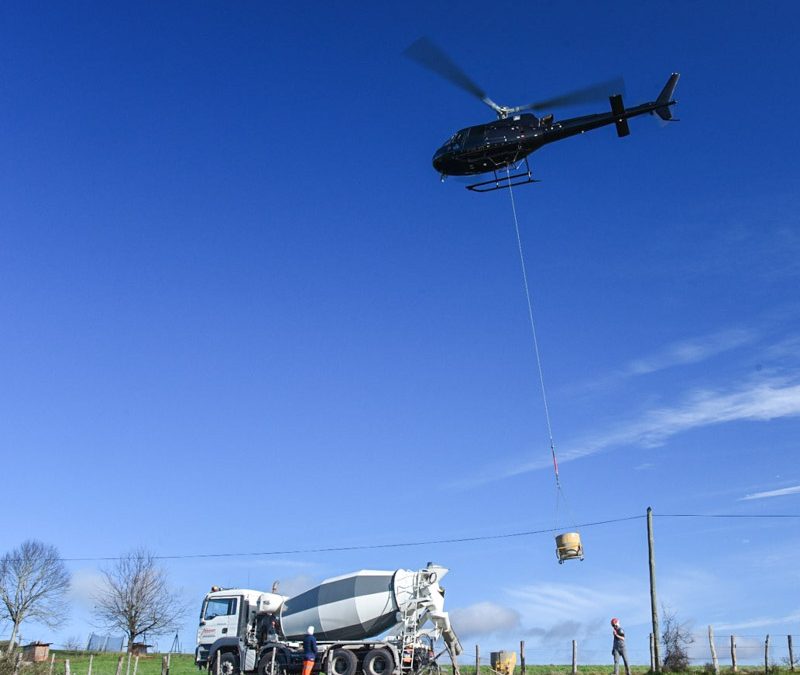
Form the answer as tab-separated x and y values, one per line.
358	547
428	542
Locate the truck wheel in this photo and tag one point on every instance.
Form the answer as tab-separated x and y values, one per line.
265	664
343	662
378	662
228	664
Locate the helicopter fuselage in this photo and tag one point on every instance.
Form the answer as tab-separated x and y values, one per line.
496	145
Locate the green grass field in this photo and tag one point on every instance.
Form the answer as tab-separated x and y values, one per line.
183	664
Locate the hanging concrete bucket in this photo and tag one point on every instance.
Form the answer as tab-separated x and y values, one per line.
569	547
503	662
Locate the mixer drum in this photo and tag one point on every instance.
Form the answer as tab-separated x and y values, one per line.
351	607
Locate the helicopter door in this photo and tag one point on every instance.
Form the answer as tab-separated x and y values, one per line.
474	138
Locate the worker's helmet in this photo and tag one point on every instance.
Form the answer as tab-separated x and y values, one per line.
614	621
310	630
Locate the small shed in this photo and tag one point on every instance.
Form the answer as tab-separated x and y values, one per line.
139	649
36	652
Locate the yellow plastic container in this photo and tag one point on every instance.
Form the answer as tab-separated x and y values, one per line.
503	662
569	547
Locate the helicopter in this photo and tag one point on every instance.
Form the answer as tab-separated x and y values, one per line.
506	143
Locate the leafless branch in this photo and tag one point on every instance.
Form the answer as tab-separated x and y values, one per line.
136	598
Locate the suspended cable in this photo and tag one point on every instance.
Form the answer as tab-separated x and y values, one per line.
533	329
560	496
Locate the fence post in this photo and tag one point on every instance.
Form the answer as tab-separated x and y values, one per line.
91	660
119	664
713	650
52	661
128	667
791	652
766	655
733	653
574	657
477	660
66	667
136	664
164	664
522	653
18	660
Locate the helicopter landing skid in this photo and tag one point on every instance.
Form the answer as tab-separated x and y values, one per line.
501	182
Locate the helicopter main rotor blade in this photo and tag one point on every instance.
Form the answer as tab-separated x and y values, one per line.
429	56
588	94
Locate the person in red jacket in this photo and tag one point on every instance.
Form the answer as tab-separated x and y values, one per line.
618	649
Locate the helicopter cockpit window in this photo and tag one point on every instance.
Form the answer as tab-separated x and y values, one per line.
457	140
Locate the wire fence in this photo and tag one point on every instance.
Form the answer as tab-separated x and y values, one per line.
776	652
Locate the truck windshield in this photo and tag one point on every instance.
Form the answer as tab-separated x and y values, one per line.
219	607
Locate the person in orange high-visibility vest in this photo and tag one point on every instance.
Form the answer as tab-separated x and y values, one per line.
309	650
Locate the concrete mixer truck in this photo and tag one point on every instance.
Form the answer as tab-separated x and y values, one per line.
366	623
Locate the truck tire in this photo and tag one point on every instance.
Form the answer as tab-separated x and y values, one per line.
265	663
378	662
343	662
228	664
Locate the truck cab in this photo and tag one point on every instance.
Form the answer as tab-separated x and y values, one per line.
226	618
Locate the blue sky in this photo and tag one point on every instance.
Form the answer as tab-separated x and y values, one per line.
241	313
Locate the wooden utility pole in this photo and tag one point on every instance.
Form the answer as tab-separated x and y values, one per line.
653	599
733	654
791	653
522	654
714	661
477	659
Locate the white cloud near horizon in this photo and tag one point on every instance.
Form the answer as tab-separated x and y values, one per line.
773	493
757	401
484	618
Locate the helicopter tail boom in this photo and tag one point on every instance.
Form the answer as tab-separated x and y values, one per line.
664	100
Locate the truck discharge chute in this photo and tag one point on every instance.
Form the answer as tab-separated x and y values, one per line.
244	630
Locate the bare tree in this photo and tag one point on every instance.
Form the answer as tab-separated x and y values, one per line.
33	582
676	638
136	598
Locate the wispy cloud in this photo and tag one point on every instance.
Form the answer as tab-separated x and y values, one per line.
761	400
552	604
556	612
773	493
762	621
690	351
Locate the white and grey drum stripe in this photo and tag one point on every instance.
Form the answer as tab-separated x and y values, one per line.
351	607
